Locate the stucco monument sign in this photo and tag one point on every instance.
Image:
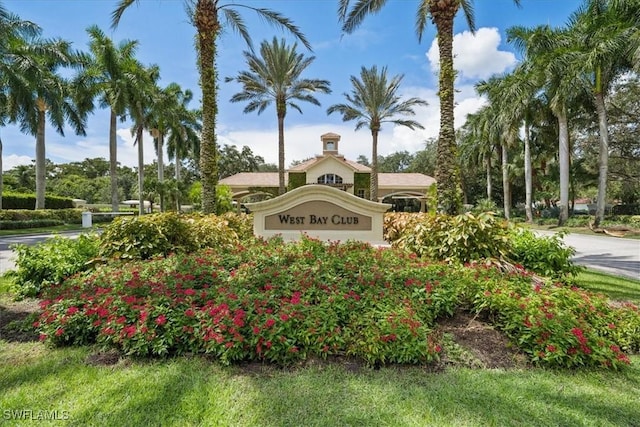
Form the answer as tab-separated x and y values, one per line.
322	212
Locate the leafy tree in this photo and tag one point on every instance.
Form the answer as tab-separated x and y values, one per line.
363	160
396	162
441	13
276	77
374	100
424	161
205	16
233	161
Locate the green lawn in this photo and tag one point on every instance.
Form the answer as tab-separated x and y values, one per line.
617	288
193	391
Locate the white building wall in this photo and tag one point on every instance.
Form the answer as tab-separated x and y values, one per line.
334	166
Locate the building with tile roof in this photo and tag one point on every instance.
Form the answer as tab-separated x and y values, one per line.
405	191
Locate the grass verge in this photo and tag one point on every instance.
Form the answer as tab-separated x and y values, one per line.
615	287
193	391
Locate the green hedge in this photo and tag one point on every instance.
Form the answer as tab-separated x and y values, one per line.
67	216
362	181
34	223
297	179
28	201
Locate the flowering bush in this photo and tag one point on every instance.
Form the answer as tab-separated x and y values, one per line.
558	325
281	303
270	301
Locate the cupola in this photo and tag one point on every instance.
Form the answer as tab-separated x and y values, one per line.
330	143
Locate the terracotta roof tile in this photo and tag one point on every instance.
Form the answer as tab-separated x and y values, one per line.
253	179
396	180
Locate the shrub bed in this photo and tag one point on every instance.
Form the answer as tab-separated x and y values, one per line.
68	216
270	301
40	266
558	325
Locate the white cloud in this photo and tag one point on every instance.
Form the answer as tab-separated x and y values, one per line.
62	151
13	160
476	56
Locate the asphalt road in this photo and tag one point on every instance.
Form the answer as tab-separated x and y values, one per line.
610	254
7	256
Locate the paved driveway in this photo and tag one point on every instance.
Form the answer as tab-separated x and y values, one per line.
610	254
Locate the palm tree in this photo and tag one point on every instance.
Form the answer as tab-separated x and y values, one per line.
275	77
139	106
504	129
441	13
517	102
479	141
43	94
184	138
374	100
110	76
16	36
167	105
547	54
205	16
602	31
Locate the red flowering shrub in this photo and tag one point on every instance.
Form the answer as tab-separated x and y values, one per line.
559	325
281	303
271	301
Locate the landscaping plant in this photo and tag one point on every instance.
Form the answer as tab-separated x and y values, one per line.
281	303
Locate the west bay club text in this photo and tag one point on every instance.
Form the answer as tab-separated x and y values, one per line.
317	219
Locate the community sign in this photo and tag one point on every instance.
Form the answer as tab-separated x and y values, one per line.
322	212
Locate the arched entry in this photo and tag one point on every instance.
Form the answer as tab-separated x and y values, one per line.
406	201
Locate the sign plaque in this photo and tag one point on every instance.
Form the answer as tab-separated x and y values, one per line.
319	211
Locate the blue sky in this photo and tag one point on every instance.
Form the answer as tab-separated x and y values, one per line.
166	38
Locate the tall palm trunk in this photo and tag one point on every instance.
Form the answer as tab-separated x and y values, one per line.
281	114
489	182
177	160
160	148
506	185
113	162
563	157
447	170
374	166
1	178
603	160
528	179
40	155
208	26
139	137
